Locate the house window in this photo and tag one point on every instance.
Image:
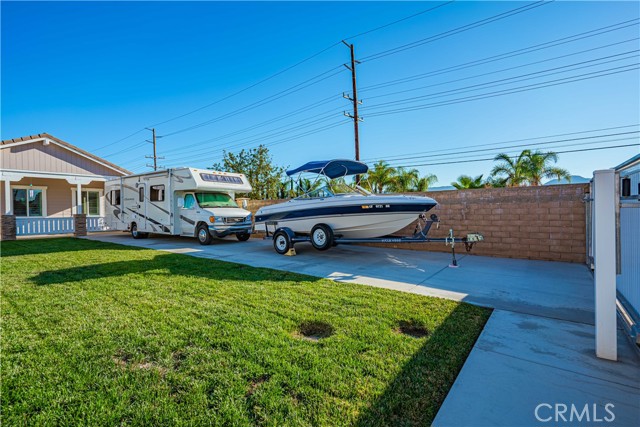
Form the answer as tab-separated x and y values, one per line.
157	193
28	202
91	203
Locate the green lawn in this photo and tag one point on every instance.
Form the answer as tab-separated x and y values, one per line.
97	334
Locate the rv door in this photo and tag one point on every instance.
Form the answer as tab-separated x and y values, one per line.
143	196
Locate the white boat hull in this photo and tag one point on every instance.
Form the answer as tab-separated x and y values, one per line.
351	216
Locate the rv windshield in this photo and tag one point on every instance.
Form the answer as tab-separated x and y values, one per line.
215	200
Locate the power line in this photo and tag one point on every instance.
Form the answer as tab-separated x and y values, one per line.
525	88
538	144
502	82
509	141
492	158
458	30
517	52
400	20
511	68
263	101
277	142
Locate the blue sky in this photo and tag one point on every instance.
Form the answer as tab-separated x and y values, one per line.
93	73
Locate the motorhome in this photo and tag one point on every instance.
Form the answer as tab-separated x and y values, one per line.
181	201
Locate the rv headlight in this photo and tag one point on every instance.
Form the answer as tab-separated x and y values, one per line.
248	218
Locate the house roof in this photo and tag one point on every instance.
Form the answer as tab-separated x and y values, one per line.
67	146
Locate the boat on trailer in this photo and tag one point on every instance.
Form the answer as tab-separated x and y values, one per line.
329	213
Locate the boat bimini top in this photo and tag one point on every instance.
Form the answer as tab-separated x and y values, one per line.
332	168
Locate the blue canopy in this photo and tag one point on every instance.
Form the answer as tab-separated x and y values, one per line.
332	168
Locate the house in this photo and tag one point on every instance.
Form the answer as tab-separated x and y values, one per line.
46	181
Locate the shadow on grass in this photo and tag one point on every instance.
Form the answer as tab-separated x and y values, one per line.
415	395
52	245
172	264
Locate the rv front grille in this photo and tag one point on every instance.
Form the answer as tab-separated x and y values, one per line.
233	220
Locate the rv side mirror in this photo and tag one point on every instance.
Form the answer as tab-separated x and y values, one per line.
244	204
180	202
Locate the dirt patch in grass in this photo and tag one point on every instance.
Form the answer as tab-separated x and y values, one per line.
412	328
257	382
124	361
314	330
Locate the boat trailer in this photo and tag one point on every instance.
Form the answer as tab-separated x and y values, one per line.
322	237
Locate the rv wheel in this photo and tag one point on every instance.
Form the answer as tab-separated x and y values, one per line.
243	237
204	237
137	234
282	242
322	237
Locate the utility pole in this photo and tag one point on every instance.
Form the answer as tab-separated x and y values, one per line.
155	156
355	100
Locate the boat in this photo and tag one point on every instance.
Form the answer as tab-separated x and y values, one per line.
335	213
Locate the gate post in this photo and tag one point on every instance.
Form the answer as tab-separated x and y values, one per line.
605	263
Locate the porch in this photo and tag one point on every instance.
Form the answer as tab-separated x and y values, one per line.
51	204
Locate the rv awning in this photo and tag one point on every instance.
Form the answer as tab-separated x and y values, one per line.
332	168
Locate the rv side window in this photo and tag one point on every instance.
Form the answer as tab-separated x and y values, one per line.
141	194
157	193
115	198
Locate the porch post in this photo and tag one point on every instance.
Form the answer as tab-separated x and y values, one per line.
8	220
605	263
78	198
8	205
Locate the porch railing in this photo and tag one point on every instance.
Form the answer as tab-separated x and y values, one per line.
35	226
96	223
38	226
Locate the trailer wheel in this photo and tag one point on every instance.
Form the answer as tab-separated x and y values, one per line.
322	237
137	234
243	237
204	237
282	242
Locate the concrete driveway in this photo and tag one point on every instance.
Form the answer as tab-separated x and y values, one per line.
537	348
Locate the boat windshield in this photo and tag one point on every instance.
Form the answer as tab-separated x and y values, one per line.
215	200
318	193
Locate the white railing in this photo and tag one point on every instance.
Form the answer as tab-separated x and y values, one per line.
38	226
96	223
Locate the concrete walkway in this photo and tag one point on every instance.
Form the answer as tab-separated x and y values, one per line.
537	348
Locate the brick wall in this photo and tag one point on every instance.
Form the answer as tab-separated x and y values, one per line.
542	223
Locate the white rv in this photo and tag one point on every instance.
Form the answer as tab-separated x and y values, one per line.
182	202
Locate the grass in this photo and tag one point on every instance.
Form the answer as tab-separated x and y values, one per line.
99	334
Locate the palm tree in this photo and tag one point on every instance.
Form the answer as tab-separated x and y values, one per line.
515	172
425	182
381	176
495	182
466	182
539	167
404	180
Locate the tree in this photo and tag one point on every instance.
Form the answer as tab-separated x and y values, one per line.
257	165
381	176
466	182
425	182
513	171
539	167
404	180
